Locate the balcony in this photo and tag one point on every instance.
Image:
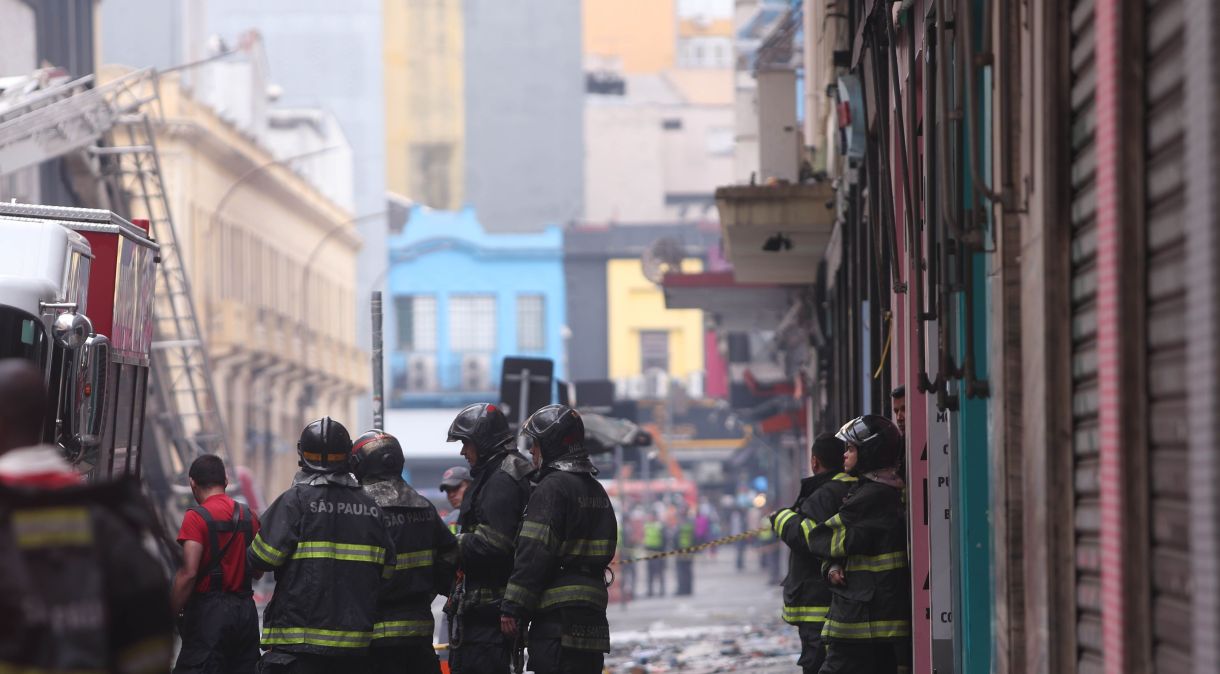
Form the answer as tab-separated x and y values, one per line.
776	233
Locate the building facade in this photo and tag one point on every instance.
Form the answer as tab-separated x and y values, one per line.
425	103
268	254
634	37
464	298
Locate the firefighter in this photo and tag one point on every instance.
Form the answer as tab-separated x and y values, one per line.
865	546
563	551
454	483
425	558
326	542
220	623
490	515
79	591
654	542
806	595
684	566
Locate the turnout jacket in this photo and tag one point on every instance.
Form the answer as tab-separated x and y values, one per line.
867	538
79	591
567	540
425	559
806	592
490	514
326	542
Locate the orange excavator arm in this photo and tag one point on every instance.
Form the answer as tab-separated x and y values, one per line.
671	464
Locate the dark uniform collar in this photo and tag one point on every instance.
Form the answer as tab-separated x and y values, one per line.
811	483
337	479
395	492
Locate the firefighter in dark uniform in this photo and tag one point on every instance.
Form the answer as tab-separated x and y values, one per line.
220	623
326	542
425	558
490	515
806	594
865	548
566	544
79	591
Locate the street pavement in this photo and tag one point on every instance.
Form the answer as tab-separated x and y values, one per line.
730	624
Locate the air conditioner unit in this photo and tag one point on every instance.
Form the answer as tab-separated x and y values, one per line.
421	372
656	383
476	372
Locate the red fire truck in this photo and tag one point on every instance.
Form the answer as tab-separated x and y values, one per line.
76	298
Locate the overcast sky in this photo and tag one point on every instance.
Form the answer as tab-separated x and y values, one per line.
714	8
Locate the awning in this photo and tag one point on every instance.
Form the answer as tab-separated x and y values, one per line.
776	233
736	305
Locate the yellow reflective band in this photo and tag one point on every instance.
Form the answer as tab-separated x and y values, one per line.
886	562
265	552
805	614
390	629
844	477
413	560
521	595
52	527
539	532
347	552
285	636
781	520
10	668
875	629
574	593
494	538
585	643
838	538
588	547
807	527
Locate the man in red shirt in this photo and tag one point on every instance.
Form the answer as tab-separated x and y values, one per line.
220	623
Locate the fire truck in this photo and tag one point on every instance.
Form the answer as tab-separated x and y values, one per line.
76	298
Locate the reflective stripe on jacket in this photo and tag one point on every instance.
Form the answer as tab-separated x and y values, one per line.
806	593
327	543
490	515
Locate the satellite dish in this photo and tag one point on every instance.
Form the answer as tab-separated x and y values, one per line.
662	257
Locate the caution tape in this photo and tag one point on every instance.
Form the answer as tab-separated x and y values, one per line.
697	548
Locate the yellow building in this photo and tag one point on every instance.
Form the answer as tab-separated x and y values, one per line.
637	36
644	335
425	120
273	278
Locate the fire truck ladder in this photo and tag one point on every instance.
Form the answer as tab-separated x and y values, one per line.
186	413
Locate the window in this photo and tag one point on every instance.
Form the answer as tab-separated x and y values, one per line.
430	165
671	124
531	322
416	322
472	323
654	350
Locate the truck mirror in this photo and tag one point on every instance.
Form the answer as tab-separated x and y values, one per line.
71	330
88	389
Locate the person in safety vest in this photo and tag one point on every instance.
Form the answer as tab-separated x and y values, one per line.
79	591
865	545
654	542
454	483
491	512
326	542
425	558
220	623
806	594
565	546
684	566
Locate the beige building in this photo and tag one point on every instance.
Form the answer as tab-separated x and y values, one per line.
631	36
425	121
273	266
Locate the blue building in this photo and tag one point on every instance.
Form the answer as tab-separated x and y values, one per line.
461	300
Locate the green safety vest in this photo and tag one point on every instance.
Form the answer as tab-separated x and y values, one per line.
654	538
686	535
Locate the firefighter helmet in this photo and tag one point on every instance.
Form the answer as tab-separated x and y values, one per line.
324	446
877	440
483	425
558	430
376	454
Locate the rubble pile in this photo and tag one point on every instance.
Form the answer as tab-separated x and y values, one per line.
765	647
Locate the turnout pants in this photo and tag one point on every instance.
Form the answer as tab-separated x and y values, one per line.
283	662
656	574
415	657
813	649
865	657
483	648
219	635
686	575
547	654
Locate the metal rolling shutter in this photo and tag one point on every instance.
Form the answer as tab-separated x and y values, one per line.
1165	70
1087	515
